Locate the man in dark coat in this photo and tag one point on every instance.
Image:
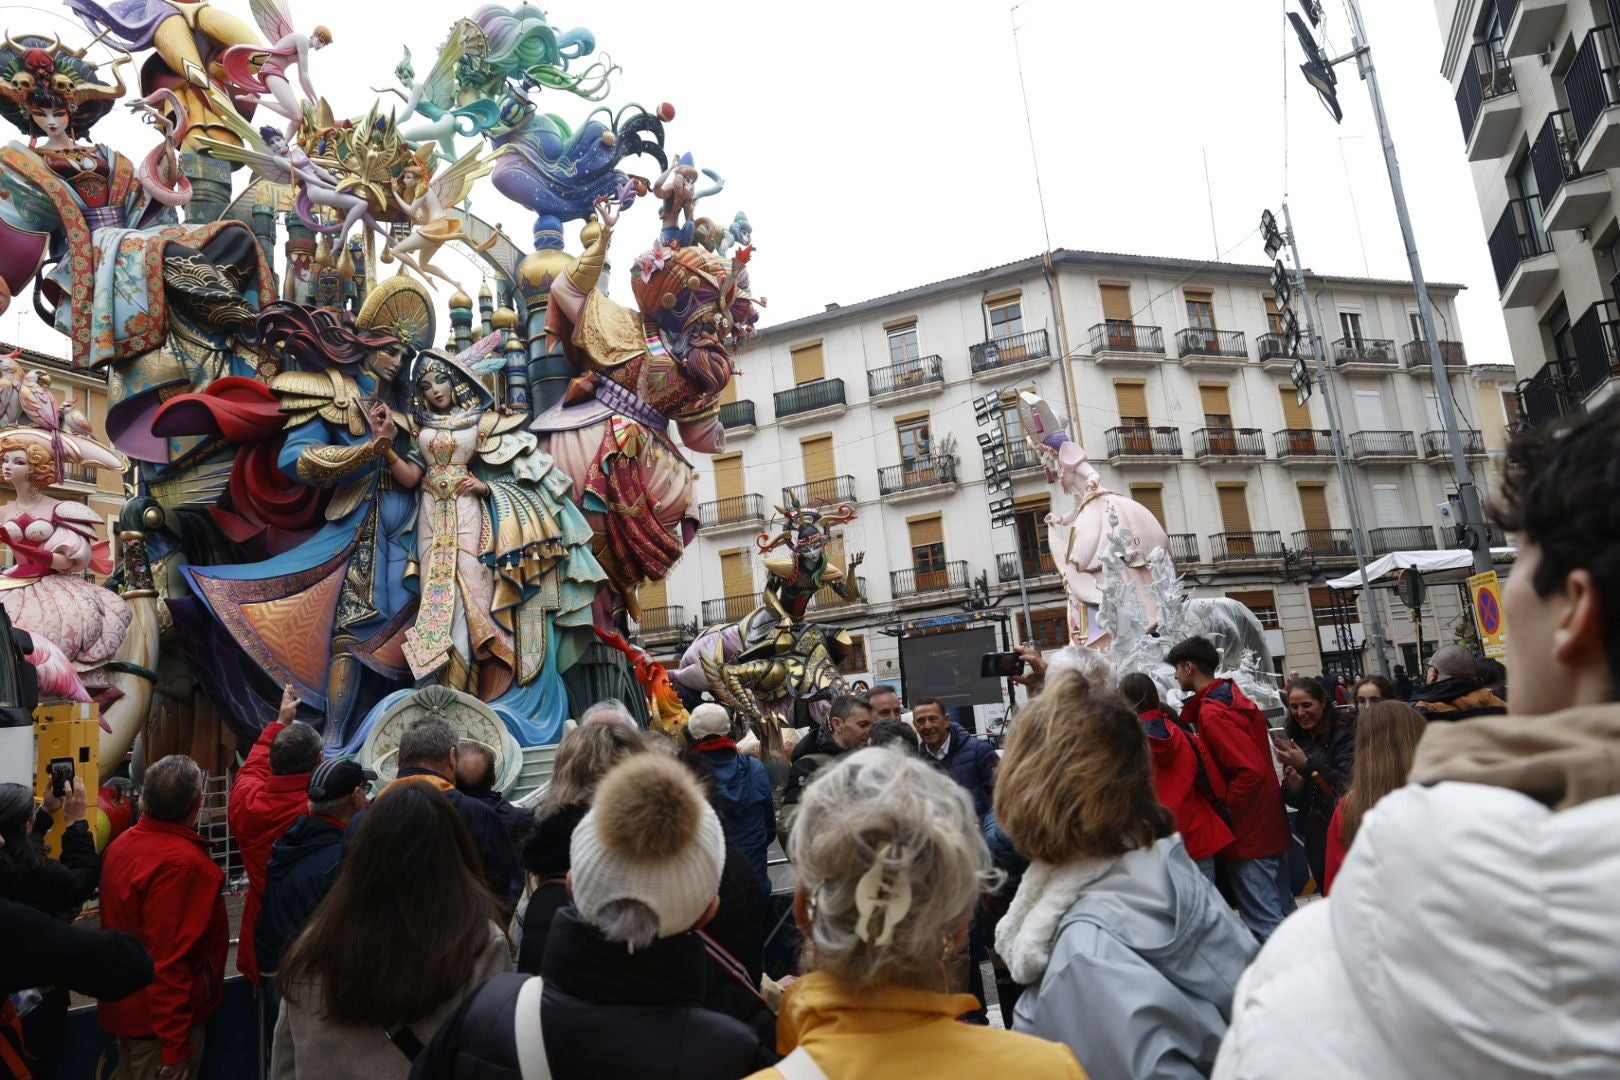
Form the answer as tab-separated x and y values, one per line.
475	778
741	788
1454	691
304	862
968	759
849	727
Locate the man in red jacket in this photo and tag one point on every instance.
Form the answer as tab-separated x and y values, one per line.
1235	733
269	794
159	884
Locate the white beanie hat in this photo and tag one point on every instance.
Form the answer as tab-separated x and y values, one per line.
708	719
649	836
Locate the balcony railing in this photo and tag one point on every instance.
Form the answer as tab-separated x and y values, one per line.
1596	335
1184	549
836	489
1487	74
1548	394
1144	442
1591	83
1354	350
1246	546
737	414
729	609
904	583
1272	347
1007	565
906	375
1437	444
1325	543
1229	442
827	597
821	394
1020	456
1388	444
921	472
1518	236
1302	442
1552	155
1200	341
1117	335
79	474
731	511
662	620
1401	538
1005	352
1451	354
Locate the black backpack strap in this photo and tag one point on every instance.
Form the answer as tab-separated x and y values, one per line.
487	1024
405	1040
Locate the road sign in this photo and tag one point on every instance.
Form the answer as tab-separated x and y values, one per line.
1486	591
1409	587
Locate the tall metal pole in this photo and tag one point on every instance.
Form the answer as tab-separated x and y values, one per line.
1472	514
1374	619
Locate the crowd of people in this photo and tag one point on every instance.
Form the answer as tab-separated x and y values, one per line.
1395	878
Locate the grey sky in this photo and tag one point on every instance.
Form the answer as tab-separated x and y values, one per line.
880	145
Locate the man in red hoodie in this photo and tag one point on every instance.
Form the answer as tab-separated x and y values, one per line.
1235	733
159	883
269	794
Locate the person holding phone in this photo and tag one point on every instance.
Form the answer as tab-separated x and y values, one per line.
1318	755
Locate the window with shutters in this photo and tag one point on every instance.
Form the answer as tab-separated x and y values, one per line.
1217	417
915	441
1313	510
728	396
1200	309
1117	314
1029	520
728	485
808	364
1006	314
820	469
1263	602
1432	402
1274	317
1329	606
1387	506
1234	501
1152	497
1050	627
903	344
927	550
1133	417
855	662
1414	323
1370	409
1296	417
653	596
737	578
1350	324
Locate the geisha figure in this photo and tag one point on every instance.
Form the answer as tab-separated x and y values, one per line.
113	270
504	565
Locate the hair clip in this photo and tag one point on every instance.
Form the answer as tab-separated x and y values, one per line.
875	895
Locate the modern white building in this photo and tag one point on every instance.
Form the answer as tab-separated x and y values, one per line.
1537	85
1182	395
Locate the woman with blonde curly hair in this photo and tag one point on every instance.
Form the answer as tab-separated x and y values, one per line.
891	866
1387	734
1129	955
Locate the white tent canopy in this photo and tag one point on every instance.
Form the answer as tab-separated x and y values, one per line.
1455	565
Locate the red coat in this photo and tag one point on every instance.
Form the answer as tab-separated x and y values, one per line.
262	806
1175	778
1235	733
158	883
1335	848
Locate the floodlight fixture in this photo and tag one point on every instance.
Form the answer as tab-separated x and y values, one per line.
1291	336
1269	232
1282	285
1313	11
1317	69
986	408
990	439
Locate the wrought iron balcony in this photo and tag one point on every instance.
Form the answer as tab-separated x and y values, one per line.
837	489
1552	155
821	394
740	510
1021	456
1401	538
1121	336
737	414
1437	444
1382	444
1144	442
1273	347
1518	236
1451	354
1553	391
909	583
1487	74
906	376
1297	443
1247	546
1596	335
920	472
1199	341
1352	350
1325	543
78	474
658	622
827	597
1591	84
1009	351
1007	563
1228	442
1184	549
729	608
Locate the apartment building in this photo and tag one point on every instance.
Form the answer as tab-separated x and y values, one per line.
1177	376
1537	85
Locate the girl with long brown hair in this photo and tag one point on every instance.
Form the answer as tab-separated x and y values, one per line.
1387	735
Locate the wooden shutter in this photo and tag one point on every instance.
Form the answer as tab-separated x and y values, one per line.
1152	497
926	530
808	364
728	396
1132	399
1116	303
1313	507
1215	400
817	454
736	576
1295	415
728	477
653	594
1234	500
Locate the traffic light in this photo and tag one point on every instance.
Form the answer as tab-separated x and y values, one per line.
1318	72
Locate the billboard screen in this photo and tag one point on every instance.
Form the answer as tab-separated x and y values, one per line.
946	666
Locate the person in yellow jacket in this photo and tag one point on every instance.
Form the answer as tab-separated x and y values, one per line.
891	864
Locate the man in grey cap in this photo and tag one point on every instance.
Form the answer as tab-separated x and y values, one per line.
1453	690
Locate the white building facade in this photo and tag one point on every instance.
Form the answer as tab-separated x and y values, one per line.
1538	100
1178	390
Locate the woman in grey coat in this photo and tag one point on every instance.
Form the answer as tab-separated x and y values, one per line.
1130	955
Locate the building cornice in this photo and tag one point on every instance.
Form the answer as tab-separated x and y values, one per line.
1457	39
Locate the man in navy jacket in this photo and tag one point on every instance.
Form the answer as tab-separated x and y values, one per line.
970	760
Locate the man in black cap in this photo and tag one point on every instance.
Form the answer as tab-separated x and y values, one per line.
304	862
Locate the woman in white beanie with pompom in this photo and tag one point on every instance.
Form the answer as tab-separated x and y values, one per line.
621	986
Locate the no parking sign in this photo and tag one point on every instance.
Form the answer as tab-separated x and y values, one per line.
1486	591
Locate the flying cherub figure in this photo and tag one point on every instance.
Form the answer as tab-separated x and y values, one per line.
255	71
434	100
424	197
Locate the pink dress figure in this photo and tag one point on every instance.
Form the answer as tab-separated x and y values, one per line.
257	71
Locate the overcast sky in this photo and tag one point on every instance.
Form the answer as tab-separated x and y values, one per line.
880	145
